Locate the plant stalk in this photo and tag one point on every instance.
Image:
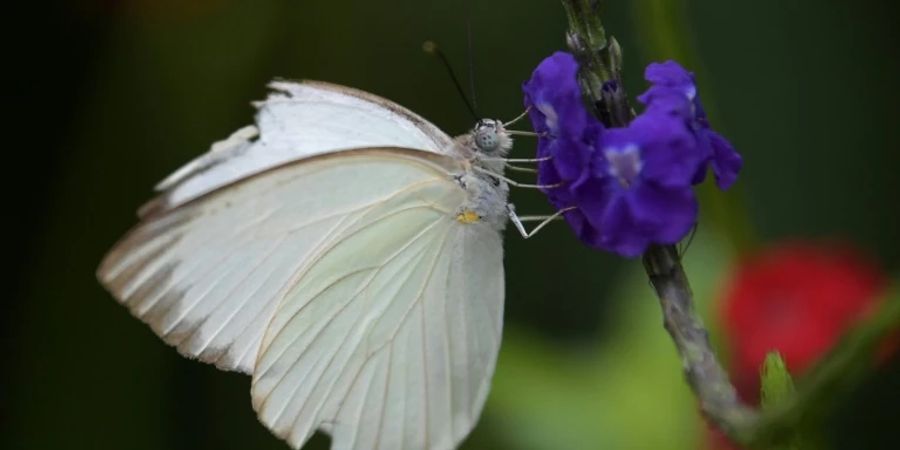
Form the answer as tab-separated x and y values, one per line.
718	398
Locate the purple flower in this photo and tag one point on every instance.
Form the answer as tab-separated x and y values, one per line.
629	187
554	99
568	132
639	192
673	91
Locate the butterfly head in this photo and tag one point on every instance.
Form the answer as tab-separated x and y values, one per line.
491	138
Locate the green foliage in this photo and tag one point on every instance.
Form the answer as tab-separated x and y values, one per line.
777	387
775	381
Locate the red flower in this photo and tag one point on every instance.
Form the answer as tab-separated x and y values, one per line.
798	299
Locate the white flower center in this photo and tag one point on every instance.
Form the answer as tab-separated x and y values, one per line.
690	92
624	163
551	119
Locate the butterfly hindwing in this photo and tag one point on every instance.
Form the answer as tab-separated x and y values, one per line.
390	339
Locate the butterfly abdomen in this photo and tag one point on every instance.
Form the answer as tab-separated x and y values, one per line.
485	200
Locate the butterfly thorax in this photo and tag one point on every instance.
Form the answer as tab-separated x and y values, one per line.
484	149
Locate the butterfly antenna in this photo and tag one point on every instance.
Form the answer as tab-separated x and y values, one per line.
432	48
684	246
470	54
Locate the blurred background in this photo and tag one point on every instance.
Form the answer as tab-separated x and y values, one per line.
109	96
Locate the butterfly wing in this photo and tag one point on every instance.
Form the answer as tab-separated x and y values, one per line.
343	283
389	340
206	276
298	120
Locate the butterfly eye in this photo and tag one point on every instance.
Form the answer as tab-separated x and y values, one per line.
486	139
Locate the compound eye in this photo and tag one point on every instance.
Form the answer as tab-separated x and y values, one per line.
486	140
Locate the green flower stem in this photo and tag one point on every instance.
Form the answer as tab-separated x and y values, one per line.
777	387
600	60
843	368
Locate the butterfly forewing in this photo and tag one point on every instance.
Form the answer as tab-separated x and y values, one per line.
207	276
299	120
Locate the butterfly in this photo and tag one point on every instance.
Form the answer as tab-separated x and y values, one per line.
345	253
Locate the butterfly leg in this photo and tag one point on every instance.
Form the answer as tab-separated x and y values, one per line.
516	160
520	169
521	132
516	183
520	226
517	118
524	133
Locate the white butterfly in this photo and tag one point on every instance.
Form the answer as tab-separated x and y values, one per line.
344	252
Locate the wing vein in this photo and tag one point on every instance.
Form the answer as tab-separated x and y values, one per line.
387	379
333	316
415	238
255	267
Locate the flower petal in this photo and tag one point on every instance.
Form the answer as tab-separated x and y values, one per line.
726	162
669	150
620	233
666	214
554	98
673	75
570	157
